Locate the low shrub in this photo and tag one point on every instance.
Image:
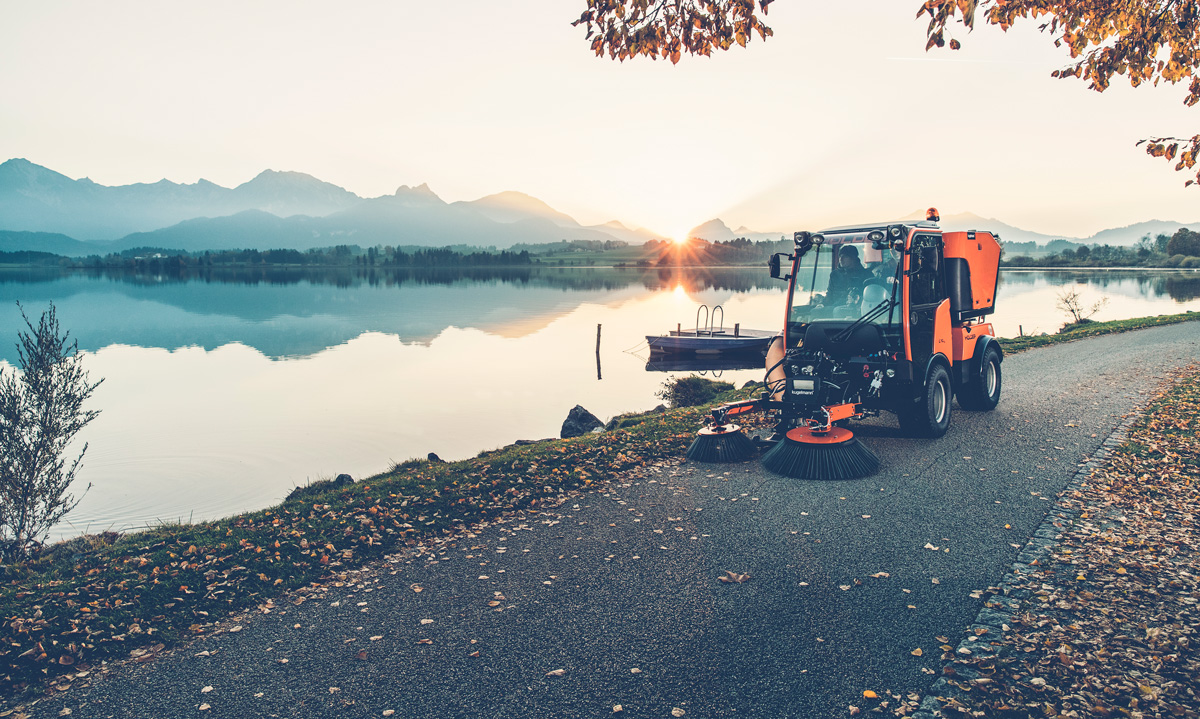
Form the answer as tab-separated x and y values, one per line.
691	391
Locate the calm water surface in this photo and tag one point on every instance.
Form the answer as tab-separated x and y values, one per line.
221	394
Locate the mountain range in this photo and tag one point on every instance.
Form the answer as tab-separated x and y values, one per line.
44	210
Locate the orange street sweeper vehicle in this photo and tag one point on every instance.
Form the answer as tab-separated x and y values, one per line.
880	317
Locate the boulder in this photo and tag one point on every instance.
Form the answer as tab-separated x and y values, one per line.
432	457
579	422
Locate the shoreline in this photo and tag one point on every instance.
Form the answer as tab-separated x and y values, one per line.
100	596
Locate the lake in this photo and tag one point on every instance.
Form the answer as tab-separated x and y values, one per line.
223	392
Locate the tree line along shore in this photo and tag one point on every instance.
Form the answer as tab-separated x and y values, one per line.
1180	250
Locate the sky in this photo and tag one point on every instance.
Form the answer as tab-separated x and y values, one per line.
840	117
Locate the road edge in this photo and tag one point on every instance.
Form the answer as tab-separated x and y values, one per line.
997	612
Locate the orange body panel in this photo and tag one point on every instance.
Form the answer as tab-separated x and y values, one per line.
982	253
842	411
942	341
964	339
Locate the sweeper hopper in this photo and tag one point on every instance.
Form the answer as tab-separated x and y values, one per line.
881	317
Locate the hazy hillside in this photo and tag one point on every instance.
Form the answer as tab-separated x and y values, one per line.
36	199
515	206
715	230
1131	234
49	242
1119	236
412	216
46	211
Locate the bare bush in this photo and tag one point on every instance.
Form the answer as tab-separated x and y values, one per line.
1070	300
41	411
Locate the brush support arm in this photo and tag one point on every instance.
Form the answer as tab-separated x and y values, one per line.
717	417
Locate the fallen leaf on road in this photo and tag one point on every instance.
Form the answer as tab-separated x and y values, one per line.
854	710
427	621
677	712
556	673
734	577
204	707
870	694
206	690
417	588
617	708
361	656
881	575
916	652
929	545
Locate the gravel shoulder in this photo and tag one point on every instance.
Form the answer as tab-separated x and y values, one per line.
843	587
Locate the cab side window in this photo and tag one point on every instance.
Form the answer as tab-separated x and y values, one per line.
926	282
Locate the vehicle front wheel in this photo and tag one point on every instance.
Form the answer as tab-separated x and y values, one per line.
929	416
981	391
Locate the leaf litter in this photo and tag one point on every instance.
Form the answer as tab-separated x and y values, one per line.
1108	625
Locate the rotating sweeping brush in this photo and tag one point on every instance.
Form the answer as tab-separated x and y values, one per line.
721	443
806	453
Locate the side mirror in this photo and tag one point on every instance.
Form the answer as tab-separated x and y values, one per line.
774	265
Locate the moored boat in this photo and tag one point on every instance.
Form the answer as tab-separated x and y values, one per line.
709	338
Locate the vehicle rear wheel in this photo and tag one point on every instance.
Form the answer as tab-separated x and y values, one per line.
929	416
981	391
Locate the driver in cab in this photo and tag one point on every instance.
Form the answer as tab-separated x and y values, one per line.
847	279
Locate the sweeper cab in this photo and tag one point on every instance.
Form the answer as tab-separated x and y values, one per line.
880	317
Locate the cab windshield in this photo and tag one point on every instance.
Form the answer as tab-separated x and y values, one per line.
844	278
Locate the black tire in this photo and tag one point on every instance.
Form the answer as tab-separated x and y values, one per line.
929	416
981	391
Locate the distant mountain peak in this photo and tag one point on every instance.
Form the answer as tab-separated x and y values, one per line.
419	196
421	189
513	206
282	177
715	230
20	170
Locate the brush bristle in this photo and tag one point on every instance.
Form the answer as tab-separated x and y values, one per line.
725	447
801	460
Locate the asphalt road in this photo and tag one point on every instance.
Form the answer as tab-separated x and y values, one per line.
627	580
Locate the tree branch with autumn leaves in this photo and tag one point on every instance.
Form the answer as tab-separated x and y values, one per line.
1146	41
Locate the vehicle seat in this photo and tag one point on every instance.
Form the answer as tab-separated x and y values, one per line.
872	296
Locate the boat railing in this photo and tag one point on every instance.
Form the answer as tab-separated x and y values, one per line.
708	326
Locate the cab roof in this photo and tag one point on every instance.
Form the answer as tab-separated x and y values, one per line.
869	226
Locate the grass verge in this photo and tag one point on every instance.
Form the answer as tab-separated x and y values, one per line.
104	597
1012	345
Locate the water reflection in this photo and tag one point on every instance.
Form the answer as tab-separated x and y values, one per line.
224	391
1181	286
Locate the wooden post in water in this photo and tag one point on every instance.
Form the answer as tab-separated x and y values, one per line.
1021	330
737	328
598	377
678	329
